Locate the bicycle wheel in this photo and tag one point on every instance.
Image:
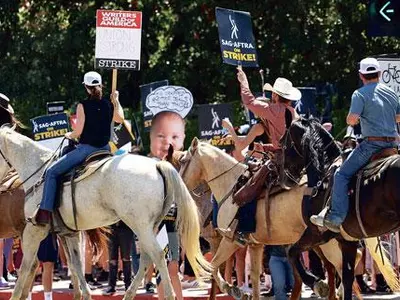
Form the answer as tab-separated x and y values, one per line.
397	76
386	76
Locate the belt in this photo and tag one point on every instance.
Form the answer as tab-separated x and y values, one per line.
380	139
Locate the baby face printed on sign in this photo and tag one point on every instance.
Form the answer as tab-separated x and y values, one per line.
168	128
170	98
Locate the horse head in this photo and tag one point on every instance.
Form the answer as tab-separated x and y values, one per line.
305	144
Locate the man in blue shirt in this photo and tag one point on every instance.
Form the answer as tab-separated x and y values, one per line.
377	108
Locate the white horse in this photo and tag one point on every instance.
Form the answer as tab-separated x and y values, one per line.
135	189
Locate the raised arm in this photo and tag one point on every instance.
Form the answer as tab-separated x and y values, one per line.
248	99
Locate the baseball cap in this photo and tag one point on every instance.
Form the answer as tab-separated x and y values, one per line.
5	103
369	65
92	79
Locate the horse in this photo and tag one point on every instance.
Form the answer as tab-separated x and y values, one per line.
132	188
278	223
307	146
13	222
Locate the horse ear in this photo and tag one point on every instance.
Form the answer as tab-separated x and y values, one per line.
288	118
170	153
194	144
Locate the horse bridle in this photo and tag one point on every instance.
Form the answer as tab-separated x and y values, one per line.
184	169
287	173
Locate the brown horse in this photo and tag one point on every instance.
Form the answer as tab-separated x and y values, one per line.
12	223
308	146
202	163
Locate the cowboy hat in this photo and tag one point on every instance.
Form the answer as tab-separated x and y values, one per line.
5	103
284	88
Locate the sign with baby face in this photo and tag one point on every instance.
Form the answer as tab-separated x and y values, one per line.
118	39
236	37
145	90
170	98
210	123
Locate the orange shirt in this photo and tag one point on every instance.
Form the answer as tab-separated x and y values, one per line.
272	113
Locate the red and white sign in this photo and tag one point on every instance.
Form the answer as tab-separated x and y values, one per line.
118	39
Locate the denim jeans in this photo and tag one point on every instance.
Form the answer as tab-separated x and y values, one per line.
356	160
65	164
214	212
282	276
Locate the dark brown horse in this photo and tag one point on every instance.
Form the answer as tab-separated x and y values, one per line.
308	146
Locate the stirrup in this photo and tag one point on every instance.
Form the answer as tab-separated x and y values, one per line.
319	220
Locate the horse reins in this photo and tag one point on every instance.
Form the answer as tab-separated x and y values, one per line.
29	190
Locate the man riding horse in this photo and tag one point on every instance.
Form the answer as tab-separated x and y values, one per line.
377	108
273	118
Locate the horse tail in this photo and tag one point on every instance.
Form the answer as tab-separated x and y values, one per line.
187	223
383	263
98	239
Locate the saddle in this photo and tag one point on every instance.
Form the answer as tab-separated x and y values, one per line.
259	175
92	163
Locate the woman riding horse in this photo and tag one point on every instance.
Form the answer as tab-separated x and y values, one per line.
94	117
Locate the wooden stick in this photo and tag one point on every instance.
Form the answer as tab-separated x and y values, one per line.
114	81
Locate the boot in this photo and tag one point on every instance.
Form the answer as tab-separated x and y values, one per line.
43	217
127	270
365	289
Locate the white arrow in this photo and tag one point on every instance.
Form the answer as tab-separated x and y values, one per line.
382	11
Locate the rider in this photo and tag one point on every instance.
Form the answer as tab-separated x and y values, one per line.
273	114
6	111
93	128
378	109
283	93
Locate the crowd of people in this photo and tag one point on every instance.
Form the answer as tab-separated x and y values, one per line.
94	118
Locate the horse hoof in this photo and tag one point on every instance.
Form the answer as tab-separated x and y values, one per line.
246	296
236	293
321	289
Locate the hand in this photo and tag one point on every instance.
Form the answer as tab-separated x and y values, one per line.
68	135
114	97
226	123
242	78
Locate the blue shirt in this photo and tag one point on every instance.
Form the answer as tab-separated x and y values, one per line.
377	105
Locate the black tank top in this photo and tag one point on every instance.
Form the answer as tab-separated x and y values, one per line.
98	117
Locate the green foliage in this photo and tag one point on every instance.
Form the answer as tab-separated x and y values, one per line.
47	46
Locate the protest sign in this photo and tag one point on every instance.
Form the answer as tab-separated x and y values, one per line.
49	130
210	123
170	98
118	39
236	37
123	137
55	107
145	90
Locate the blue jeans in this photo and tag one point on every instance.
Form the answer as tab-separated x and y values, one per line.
356	160
214	212
65	164
282	276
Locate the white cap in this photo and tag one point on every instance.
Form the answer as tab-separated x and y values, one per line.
5	103
284	88
369	65
92	79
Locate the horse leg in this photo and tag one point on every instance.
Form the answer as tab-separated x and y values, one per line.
74	278
144	263
73	243
29	280
306	242
31	238
224	251
349	253
149	244
330	269
256	254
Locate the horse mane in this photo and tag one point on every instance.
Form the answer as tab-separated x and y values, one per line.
319	146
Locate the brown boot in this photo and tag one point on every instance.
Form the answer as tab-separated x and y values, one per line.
43	217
